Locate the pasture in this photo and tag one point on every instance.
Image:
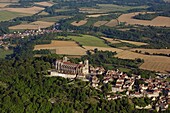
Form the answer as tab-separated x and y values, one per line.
105	8
8	15
87	40
63	47
53	19
33	25
158	21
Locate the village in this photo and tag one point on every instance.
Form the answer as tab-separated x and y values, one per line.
134	86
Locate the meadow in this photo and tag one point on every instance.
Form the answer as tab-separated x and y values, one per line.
53	19
87	40
105	8
8	15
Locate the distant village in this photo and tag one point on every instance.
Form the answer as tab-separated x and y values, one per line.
157	89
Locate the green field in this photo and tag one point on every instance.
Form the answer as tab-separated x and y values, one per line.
104	8
7	15
53	19
3	52
87	40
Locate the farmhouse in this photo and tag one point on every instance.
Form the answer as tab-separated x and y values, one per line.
67	69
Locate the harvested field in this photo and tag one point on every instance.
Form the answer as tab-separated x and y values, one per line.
154	63
100	23
112	23
134	43
30	10
43	13
103	49
44	3
96	15
2	5
111	40
151	51
33	25
115	41
63	47
158	21
80	23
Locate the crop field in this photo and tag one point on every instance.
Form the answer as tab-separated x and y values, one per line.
79	23
158	21
9	1
63	47
116	41
33	25
95	15
105	8
3	53
44	3
103	49
8	15
43	13
134	42
87	40
2	5
30	10
112	23
53	19
154	63
100	23
111	40
151	51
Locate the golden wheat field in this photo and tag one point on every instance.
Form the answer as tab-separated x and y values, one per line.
103	49
112	23
99	23
63	47
33	25
158	21
30	10
154	63
111	40
134	42
2	5
96	15
79	23
151	51
44	3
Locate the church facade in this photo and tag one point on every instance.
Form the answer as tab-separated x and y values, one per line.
68	68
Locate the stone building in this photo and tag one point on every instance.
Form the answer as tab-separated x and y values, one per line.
66	67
